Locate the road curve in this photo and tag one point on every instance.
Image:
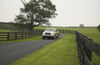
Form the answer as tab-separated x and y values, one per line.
11	52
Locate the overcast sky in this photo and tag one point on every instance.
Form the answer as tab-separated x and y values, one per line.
70	12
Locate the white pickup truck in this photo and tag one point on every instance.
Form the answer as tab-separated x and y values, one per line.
50	33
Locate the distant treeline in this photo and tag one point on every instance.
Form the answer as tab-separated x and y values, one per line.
11	26
14	26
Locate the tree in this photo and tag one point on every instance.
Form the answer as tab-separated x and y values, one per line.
81	25
99	28
35	13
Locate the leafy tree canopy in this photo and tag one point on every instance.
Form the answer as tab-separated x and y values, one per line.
35	13
99	28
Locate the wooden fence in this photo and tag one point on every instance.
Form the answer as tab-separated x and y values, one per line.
67	31
85	48
11	36
6	36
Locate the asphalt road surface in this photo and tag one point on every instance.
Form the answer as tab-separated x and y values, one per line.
11	52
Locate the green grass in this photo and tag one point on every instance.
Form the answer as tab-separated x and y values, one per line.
61	52
90	32
22	40
95	59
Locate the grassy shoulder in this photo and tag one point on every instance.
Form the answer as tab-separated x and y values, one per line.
95	59
22	40
61	52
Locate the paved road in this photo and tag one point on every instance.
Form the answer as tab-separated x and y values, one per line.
11	52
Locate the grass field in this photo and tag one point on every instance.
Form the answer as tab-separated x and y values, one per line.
92	33
61	52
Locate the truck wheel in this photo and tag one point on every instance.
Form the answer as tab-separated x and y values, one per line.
57	37
43	37
54	37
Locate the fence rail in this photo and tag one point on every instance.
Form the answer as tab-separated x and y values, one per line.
10	35
85	48
7	36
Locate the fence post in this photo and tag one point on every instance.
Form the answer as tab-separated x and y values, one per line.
25	35
83	48
15	35
80	51
22	35
63	31
8	36
67	31
88	52
78	43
